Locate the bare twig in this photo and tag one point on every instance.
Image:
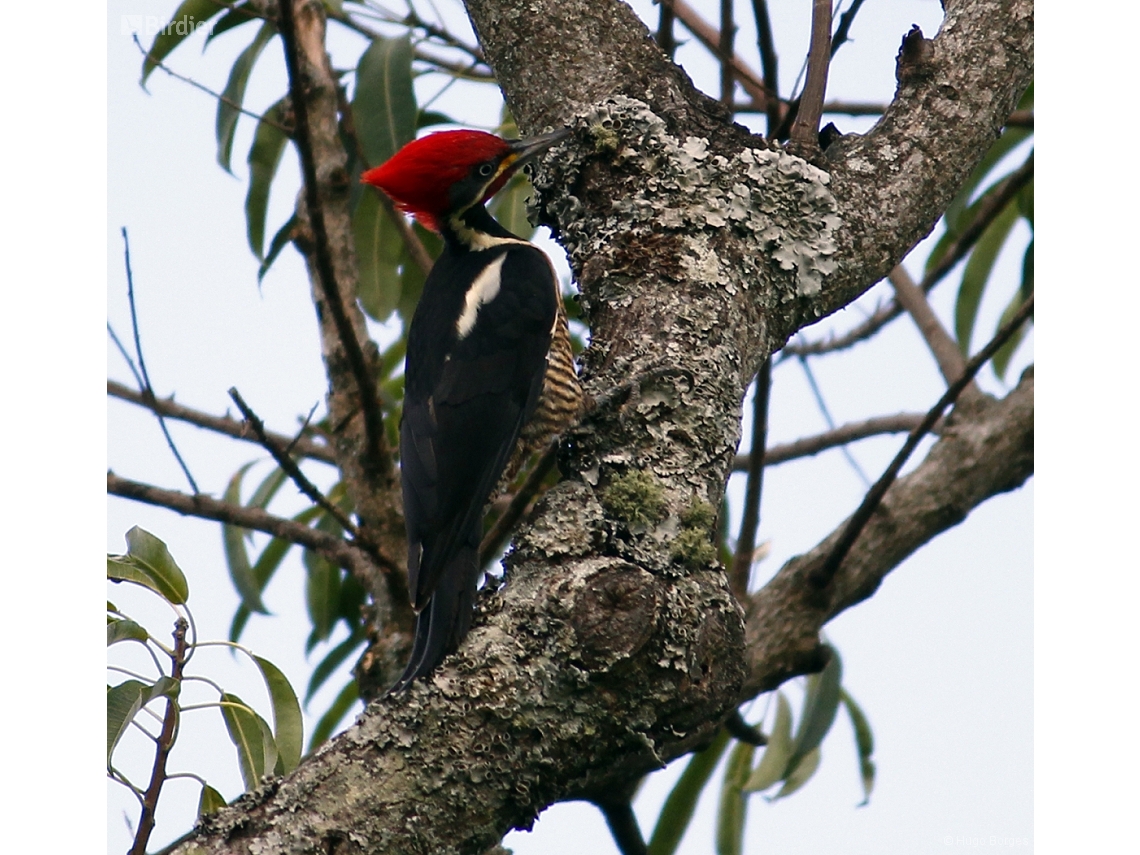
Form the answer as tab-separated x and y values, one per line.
741	572
709	36
346	20
164	743
218	96
325	271
1010	186
946	353
340	552
725	52
988	211
290	467
219	424
821	577
768	63
810	445
665	38
805	128
826	413
147	387
496	538
743	731
843	31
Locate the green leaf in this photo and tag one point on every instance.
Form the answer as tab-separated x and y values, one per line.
393	357
124	630
1026	102
188	17
264	158
427	118
509	206
774	764
977	274
379	249
801	774
257	756
288	729
322	594
210	801
267	489
957	214
411	276
229	105
333	660
821	703
1006	351
123	703
148	562
681	804
264	568
733	809
238	15
864	743
163	687
384	103
1025	202
237	559
280	240
348	696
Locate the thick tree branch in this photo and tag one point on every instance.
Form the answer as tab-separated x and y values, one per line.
325	238
986	448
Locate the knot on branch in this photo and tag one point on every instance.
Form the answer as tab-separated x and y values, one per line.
614	615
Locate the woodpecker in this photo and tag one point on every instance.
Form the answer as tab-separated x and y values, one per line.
489	372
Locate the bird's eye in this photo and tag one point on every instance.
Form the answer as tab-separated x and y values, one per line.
486	169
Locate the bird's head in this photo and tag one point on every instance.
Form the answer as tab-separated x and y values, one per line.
445	173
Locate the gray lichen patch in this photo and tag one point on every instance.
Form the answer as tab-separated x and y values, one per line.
776	202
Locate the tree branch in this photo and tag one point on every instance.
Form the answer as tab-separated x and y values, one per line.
985	449
340	552
741	571
220	424
805	128
811	445
301	80
986	214
822	578
911	297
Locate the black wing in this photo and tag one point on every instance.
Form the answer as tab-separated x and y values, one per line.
466	400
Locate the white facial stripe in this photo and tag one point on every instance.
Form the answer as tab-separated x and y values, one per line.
477	240
482	291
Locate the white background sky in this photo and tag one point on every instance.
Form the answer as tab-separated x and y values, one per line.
941	658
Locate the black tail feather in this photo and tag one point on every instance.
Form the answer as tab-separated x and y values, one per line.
444	622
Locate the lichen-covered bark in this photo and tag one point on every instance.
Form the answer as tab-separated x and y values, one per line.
616	644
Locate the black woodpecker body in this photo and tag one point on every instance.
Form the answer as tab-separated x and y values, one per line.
488	362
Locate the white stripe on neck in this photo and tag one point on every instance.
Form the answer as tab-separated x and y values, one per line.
482	291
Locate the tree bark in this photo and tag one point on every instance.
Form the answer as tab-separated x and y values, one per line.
616	644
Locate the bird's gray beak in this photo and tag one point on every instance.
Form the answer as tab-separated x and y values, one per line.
525	151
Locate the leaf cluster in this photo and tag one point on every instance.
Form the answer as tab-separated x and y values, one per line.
261	749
